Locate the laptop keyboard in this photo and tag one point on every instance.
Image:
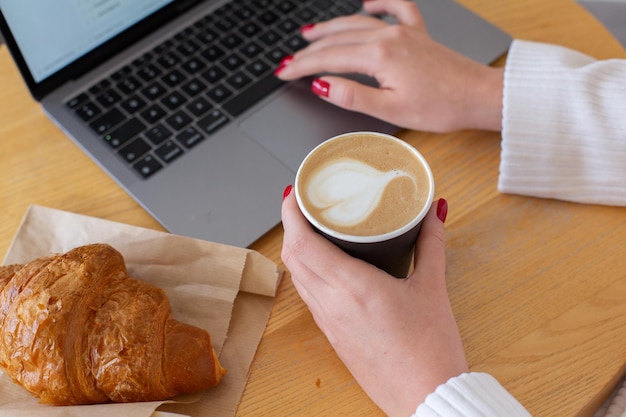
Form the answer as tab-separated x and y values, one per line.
157	108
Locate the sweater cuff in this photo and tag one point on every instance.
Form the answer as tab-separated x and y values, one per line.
471	395
563	125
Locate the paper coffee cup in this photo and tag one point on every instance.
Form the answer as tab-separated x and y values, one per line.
368	193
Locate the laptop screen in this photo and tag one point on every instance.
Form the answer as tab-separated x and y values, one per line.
52	34
55	41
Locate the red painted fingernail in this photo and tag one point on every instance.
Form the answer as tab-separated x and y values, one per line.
320	87
285	61
287	191
283	64
306	27
442	210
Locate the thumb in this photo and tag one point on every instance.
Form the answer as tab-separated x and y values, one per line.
430	249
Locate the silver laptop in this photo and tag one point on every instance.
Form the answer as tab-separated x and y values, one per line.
176	99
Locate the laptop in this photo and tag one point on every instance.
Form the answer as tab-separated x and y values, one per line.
176	99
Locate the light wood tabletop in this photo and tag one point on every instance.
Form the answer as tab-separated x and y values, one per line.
538	286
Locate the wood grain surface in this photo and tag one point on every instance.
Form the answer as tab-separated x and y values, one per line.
537	286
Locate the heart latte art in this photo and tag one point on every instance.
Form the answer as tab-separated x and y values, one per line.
346	192
363	185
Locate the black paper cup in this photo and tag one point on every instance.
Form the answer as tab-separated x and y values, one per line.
392	251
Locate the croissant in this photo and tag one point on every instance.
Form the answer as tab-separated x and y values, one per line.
76	329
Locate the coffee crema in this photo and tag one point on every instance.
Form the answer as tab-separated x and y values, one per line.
363	184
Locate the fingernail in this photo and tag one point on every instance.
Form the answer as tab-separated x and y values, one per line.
287	191
442	210
285	61
320	87
306	27
283	64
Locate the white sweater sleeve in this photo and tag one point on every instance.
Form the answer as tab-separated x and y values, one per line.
471	395
564	125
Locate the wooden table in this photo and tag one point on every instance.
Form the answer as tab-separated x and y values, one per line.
538	286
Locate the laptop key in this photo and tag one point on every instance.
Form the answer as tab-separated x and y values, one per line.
168	60
174	78
153	113
252	49
213	74
252	95
149	72
99	87
129	85
73	103
125	132
306	15
211	123
250	29
206	36
88	111
258	68
147	166
232	41
288	26
174	100
268	17
107	121
133	104
193	87
108	98
199	106
134	150
286	6
219	93
169	151
276	55
178	120
270	37
239	80
193	66
188	48
153	91
190	137
295	43
158	133
213	53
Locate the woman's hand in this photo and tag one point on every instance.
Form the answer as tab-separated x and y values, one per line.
398	337
422	84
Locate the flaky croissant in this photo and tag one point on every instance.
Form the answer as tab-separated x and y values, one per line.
75	329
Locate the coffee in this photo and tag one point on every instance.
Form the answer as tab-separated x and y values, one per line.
363	184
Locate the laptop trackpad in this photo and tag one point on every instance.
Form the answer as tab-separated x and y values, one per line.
296	121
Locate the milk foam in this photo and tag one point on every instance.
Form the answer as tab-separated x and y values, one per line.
348	191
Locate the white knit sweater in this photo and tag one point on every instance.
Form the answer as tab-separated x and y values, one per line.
564	125
563	137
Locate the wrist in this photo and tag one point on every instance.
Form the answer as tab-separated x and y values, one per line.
483	98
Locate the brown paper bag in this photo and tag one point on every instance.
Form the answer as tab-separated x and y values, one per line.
226	290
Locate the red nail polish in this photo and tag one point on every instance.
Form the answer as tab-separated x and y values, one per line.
320	87
287	191
306	27
285	61
442	210
283	64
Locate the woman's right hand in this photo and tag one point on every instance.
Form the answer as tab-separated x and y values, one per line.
422	84
398	337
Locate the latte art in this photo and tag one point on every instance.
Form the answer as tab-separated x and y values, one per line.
364	186
348	191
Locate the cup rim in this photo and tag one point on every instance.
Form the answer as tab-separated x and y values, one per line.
373	238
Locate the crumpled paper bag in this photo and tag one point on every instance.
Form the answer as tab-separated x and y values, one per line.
226	290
